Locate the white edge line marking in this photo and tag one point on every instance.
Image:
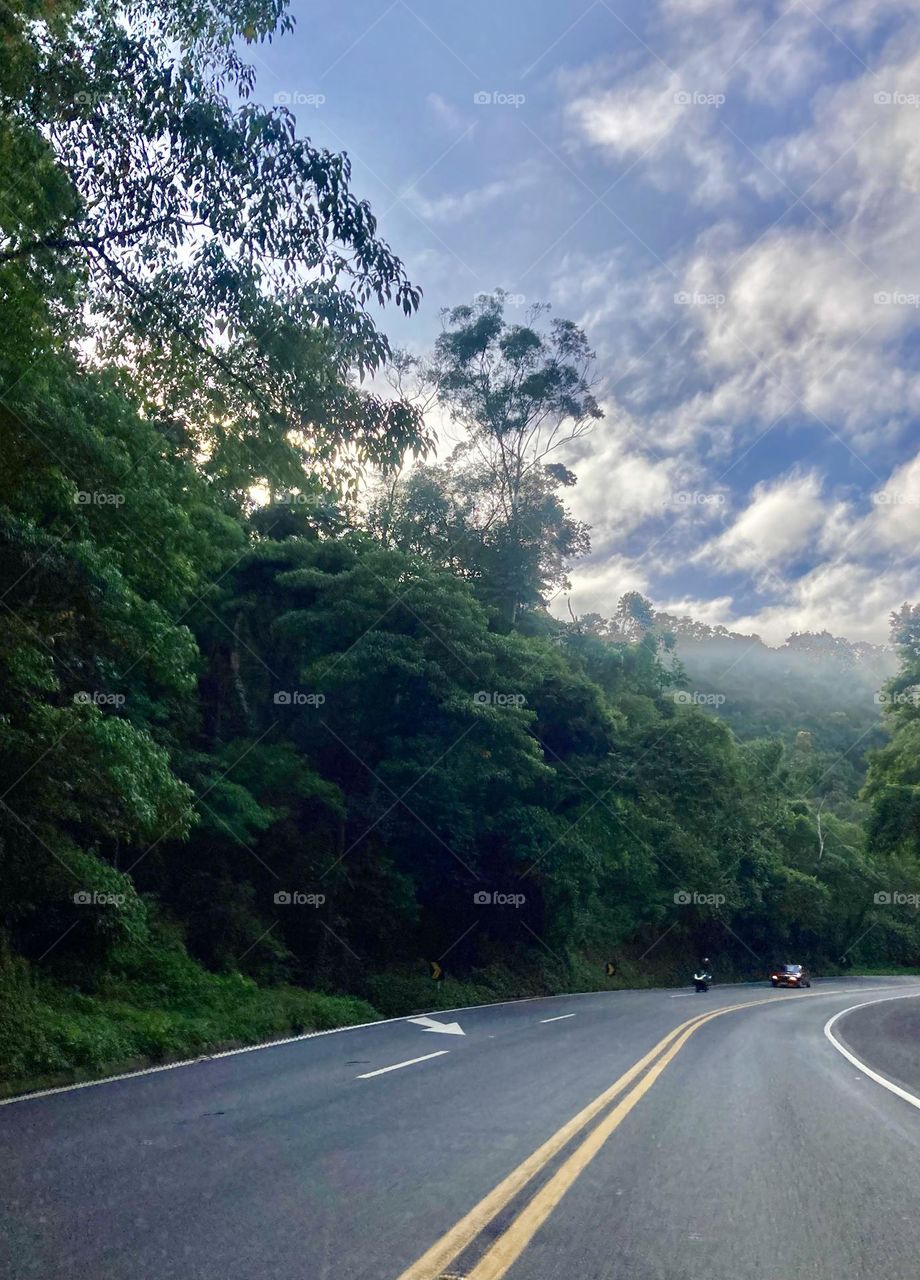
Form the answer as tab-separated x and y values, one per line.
858	1063
558	1018
381	1071
333	1031
306	1035
191	1062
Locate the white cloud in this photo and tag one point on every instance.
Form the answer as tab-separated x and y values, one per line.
798	339
682	10
453	206
799	330
776	528
893	525
446	114
847	599
597	588
861	17
632	117
777	59
619	486
715	613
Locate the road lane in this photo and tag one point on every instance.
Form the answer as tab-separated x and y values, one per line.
285	1147
760	1153
398	1066
886	1037
281	1163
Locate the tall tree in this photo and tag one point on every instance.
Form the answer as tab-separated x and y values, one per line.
226	260
522	393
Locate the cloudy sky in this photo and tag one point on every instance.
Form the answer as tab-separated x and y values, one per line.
725	195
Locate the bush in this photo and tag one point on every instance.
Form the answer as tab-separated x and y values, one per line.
158	1005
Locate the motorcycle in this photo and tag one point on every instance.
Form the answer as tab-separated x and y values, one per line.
702	980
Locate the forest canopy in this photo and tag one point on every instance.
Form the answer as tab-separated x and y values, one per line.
269	762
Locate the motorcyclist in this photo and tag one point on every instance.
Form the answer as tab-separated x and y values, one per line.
704	971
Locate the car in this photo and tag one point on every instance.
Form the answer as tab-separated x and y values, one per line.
790	975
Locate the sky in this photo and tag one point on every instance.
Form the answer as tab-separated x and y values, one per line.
725	196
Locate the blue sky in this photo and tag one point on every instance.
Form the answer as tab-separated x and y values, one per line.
725	195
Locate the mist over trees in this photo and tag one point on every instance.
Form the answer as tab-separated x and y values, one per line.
284	714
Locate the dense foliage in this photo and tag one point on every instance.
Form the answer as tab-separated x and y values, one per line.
264	759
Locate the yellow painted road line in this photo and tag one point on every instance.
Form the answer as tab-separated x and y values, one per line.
431	1265
509	1246
512	1243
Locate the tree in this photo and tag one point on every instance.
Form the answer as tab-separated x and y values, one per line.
634	617
450	515
522	393
105	542
208	701
226	260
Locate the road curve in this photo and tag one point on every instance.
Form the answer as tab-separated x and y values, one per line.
884	1035
617	1135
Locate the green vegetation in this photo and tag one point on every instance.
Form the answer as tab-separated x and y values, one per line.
159	1005
284	717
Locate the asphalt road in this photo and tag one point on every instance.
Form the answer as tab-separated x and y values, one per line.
886	1035
743	1147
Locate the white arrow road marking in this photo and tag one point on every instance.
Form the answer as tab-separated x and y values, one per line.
451	1028
559	1018
381	1071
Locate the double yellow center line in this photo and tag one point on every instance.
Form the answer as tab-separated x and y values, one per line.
514	1240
